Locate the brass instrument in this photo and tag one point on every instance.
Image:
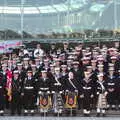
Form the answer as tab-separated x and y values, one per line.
9	93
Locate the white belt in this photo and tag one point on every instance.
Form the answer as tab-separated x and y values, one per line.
87	88
111	84
58	92
40	92
28	87
44	88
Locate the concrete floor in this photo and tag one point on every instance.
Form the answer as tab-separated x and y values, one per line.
56	118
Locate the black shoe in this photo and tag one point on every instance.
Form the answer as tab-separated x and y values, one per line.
86	115
98	115
12	114
25	114
55	114
67	113
19	114
2	114
32	114
42	114
60	114
74	114
104	115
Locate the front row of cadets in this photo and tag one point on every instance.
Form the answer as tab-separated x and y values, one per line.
56	93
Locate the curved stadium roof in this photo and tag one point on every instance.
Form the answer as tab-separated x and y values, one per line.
84	14
42	6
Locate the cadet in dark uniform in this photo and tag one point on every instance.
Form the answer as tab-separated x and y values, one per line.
4	78
38	63
115	62
22	74
94	66
2	93
59	79
64	71
29	93
44	87
87	91
46	65
85	62
118	89
72	86
66	48
101	61
44	82
111	88
101	93
69	64
78	72
26	64
35	73
53	49
16	93
94	78
57	91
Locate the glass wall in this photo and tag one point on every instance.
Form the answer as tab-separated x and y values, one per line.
36	17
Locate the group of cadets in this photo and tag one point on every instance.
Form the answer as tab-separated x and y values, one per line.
91	72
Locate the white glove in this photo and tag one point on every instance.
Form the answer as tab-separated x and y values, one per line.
82	96
92	96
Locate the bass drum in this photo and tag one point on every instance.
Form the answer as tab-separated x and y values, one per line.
71	100
45	103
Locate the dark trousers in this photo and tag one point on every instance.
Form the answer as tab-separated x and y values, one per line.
86	102
111	98
29	101
2	101
118	98
80	103
16	103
